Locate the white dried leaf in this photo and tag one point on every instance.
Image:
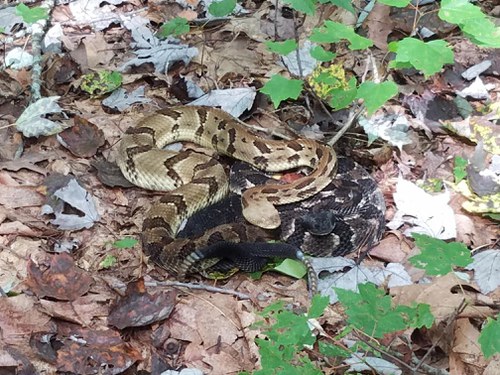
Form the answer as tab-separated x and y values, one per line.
307	62
9	18
429	214
78	198
121	99
486	266
18	58
90	12
476	70
32	123
392	128
477	90
233	101
359	363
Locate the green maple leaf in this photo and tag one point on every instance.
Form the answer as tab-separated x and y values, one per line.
125	243
438	257
279	88
490	344
428	57
371	311
376	94
321	54
176	26
459	169
221	8
31	15
333	32
282	48
305	6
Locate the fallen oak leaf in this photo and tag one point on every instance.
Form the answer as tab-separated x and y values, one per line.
57	277
139	308
82	139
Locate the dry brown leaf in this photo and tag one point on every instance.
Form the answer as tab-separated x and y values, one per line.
94	350
139	308
392	248
57	277
81	311
239	55
379	25
20	196
83	138
17	228
466	356
444	297
19	318
98	51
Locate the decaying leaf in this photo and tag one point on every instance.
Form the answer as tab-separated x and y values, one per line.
58	277
139	308
486	268
82	139
32	123
78	199
429	214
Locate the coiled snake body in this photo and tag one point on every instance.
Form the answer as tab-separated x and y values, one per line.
194	181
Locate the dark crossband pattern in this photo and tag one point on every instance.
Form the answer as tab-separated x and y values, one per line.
193	181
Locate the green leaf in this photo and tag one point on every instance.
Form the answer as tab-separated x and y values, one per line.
318	306
346	4
342	98
333	351
282	48
221	8
108	262
395	3
438	257
428	57
371	311
31	15
101	82
459	169
279	88
333	32
305	6
176	26
472	21
125	243
321	54
292	267
488	339
376	94
493	216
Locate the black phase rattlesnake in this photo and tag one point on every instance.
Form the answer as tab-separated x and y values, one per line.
322	213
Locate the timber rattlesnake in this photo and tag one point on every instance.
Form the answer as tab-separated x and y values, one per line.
195	181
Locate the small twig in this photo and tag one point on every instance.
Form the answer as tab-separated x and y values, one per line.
275	20
451	319
297	51
352	119
39	28
208	288
384	352
7	126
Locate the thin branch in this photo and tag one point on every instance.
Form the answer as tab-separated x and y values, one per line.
208	288
451	319
39	28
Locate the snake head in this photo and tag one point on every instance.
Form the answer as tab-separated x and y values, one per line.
320	223
261	213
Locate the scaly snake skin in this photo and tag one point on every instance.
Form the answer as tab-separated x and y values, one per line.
195	181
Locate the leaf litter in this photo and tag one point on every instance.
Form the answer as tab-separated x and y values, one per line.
75	314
